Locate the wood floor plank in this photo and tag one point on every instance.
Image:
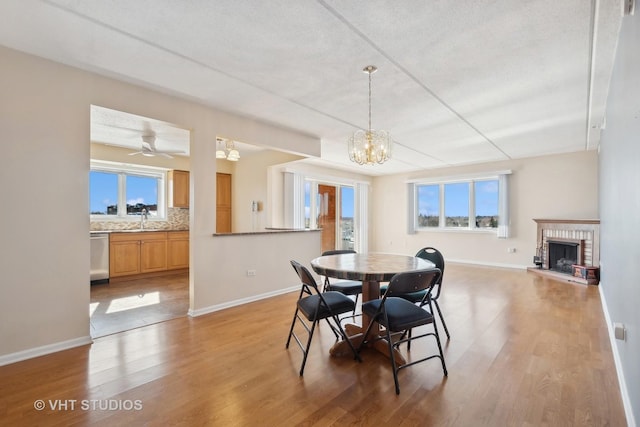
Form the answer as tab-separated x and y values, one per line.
524	350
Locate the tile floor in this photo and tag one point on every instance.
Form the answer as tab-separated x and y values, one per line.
117	307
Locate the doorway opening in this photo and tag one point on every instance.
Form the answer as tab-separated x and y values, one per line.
331	207
134	186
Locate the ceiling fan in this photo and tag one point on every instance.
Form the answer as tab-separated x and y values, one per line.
148	148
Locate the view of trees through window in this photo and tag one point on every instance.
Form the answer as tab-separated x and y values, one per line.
461	201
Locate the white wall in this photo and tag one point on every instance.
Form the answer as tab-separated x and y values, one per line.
266	254
44	132
559	186
620	210
249	182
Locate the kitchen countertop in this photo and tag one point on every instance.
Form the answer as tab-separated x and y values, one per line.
269	231
137	230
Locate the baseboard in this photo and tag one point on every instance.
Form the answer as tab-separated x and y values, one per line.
488	264
624	392
44	350
234	303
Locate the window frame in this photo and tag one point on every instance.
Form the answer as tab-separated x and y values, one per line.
502	228
122	170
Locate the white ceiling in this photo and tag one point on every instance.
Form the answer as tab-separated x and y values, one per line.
459	82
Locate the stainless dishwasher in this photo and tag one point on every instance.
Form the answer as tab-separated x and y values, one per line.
99	258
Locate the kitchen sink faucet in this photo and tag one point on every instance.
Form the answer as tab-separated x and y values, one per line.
143	218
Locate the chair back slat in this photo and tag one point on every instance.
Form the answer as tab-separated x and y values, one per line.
338	252
305	276
436	257
414	281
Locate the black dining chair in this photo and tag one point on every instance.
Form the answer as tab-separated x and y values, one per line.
346	287
316	306
435	256
398	314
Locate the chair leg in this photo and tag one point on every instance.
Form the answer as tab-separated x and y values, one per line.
446	330
356	354
394	365
293	323
333	329
437	335
306	350
355	304
366	334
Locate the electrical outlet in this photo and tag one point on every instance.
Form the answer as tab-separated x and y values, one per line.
619	331
251	273
511	250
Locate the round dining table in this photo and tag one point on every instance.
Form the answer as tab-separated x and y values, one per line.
370	269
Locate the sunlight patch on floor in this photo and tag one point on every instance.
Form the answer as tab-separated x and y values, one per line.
134	301
92	308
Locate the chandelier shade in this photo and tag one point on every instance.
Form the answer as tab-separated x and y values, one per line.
226	149
368	147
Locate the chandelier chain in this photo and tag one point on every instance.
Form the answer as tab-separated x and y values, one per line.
368	147
369	72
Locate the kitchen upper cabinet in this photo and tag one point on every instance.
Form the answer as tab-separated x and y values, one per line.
136	253
177	250
178	189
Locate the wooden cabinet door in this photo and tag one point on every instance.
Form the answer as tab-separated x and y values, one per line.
153	255
179	189
223	203
124	258
177	250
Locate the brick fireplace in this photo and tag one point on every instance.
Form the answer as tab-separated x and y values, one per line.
568	249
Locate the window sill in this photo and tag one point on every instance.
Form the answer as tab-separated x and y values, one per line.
459	230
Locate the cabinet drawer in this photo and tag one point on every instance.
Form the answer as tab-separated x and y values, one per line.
178	235
138	235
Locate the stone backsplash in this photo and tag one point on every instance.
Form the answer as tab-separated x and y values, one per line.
177	219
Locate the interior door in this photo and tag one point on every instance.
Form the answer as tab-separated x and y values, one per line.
223	203
327	216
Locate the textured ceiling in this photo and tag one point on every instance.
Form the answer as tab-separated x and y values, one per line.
459	82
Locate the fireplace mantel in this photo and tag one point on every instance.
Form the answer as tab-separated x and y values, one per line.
585	231
567	221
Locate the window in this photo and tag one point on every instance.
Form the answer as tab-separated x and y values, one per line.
486	206
469	203
346	218
428	206
123	191
456	205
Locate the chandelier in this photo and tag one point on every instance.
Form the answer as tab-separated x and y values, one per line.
226	149
367	147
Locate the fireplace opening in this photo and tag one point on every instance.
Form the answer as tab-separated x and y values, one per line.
562	256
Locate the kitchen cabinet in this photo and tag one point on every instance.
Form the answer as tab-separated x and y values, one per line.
137	253
178	189
177	250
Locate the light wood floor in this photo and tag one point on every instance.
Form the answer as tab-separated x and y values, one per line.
125	305
524	351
